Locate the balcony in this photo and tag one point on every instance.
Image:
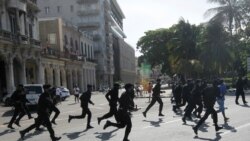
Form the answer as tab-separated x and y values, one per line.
52	52
7	36
86	1
88	12
32	4
88	25
21	5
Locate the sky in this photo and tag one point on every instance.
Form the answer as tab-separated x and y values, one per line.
144	15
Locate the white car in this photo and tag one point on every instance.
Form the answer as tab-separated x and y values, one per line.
33	92
62	92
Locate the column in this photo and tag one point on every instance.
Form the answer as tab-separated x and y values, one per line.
23	73
10	76
57	77
95	79
50	76
40	74
80	80
64	81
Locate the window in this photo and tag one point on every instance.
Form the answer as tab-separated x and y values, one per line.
72	8
47	10
82	48
52	38
58	9
76	45
85	49
65	40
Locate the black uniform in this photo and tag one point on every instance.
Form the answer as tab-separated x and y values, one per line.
197	92
240	90
85	100
17	98
209	98
45	105
193	100
177	96
156	97
112	97
122	116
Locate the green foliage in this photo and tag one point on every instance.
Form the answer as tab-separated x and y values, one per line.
219	47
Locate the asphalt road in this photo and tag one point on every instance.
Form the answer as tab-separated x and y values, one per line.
152	128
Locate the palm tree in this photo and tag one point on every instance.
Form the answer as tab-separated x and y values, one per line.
229	12
182	46
216	55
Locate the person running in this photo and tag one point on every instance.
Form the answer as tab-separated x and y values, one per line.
192	100
156	97
177	96
44	105
17	98
209	98
112	97
76	90
85	99
240	90
24	107
122	116
221	99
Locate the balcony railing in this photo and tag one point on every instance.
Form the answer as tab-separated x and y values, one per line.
18	39
87	12
32	4
56	53
86	1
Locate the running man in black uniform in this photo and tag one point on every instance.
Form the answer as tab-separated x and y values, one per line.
112	97
156	97
85	100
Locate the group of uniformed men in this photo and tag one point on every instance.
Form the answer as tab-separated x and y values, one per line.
195	95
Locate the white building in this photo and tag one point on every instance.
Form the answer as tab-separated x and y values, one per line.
101	18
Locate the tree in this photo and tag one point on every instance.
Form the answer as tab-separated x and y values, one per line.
216	56
183	46
153	47
229	12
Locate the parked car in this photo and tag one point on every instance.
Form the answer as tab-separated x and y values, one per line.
33	92
63	93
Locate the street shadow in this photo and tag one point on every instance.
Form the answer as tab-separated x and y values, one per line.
217	138
155	123
7	131
245	105
104	136
8	113
72	103
228	127
75	135
30	135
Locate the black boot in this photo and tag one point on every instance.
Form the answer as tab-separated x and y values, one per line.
55	138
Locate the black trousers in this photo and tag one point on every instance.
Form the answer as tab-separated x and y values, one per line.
112	112
242	94
19	110
210	110
85	110
154	99
41	119
123	120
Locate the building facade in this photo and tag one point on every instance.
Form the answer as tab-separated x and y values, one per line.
68	54
125	64
101	18
20	59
